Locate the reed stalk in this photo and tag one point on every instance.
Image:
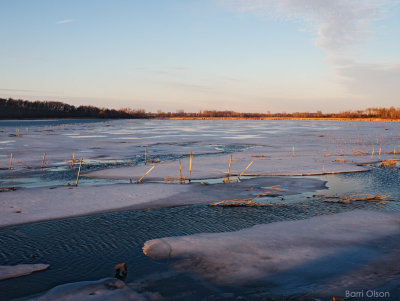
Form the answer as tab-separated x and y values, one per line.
145	156
17	133
11	158
372	154
293	151
229	167
394	152
180	171
73	160
140	180
43	160
245	169
79	172
190	166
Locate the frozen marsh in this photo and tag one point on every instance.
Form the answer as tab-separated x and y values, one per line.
300	171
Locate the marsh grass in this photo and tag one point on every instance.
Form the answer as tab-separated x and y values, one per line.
378	198
387	163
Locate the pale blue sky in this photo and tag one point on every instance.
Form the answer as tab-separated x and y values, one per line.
244	55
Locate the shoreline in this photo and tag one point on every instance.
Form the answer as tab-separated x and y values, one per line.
283	118
211	118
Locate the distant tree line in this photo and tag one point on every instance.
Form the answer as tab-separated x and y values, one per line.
370	113
19	109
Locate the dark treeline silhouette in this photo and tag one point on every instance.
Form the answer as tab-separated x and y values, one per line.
19	109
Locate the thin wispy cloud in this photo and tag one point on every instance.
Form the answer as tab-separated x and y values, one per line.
339	24
342	27
19	90
65	21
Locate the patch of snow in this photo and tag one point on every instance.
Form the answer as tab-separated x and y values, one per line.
13	271
323	255
38	204
100	290
217	167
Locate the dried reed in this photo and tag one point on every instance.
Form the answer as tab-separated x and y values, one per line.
245	169
3	189
379	198
140	180
229	170
79	172
180	171
11	159
73	160
238	203
43	160
387	163
190	166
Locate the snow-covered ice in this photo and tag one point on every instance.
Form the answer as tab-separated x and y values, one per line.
277	148
100	290
38	204
217	167
13	271
323	255
319	141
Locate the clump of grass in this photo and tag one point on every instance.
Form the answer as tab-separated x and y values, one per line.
3	189
378	198
358	153
250	202
238	203
387	163
177	180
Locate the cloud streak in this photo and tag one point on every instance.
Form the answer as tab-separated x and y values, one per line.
339	23
65	21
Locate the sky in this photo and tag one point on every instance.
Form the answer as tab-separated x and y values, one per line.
192	55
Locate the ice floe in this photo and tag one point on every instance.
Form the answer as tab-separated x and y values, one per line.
38	204
100	290
323	255
13	271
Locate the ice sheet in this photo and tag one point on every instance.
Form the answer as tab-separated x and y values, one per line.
217	166
323	255
100	290
37	204
13	271
319	142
